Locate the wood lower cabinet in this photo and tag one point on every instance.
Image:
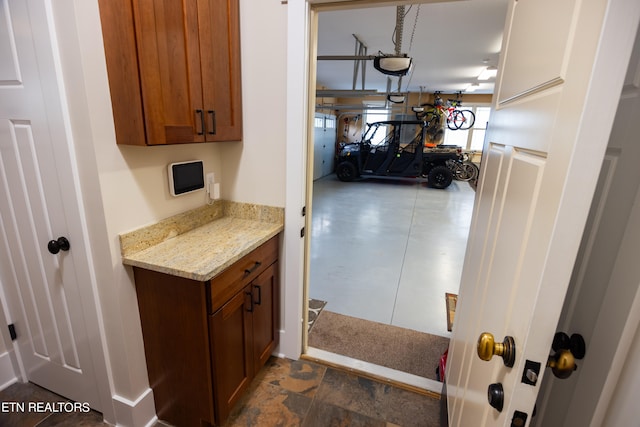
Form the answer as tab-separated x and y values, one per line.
174	70
243	336
202	352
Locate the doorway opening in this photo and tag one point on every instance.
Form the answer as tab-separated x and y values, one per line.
382	255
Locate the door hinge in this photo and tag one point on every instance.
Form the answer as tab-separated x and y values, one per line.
12	332
302	232
304	210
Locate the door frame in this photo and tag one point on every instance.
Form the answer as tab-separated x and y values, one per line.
303	25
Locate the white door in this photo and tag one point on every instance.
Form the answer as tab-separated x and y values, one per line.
606	277
49	296
561	71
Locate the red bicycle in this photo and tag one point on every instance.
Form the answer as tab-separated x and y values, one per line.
439	113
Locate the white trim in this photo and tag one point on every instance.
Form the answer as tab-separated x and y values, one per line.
7	374
293	250
361	366
137	413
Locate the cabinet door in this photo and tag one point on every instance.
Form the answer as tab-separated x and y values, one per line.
231	336
265	293
219	32
169	61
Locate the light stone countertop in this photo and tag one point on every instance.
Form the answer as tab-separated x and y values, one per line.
201	251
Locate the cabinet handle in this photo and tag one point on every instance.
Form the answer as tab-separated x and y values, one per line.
248	271
201	114
213	122
259	288
250	308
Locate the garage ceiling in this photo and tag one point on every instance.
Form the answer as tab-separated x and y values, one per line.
450	44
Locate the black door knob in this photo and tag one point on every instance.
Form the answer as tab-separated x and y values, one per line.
495	394
55	246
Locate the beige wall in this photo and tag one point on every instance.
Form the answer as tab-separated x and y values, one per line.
254	171
125	188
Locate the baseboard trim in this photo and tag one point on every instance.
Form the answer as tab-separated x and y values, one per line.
138	413
7	374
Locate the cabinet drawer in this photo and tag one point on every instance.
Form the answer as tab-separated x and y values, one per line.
232	280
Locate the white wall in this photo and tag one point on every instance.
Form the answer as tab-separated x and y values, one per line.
125	188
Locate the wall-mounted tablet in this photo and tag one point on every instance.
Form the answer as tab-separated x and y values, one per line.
185	177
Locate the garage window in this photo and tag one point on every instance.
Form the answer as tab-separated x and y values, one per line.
471	139
376	112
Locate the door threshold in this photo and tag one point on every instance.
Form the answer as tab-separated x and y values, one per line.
410	382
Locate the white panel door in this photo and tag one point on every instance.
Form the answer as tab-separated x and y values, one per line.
49	296
561	70
604	283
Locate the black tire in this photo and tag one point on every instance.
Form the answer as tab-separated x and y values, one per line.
464	119
440	177
346	171
452	123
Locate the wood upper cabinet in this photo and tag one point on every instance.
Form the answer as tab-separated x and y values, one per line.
174	70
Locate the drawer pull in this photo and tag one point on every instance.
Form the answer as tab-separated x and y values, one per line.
259	302
248	271
250	308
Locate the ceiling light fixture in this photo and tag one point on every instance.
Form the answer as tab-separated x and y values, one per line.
488	73
396	98
472	87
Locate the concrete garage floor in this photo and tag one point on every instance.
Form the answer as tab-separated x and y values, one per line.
387	250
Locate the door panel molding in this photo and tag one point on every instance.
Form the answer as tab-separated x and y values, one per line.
538	34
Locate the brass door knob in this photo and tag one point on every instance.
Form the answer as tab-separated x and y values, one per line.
488	347
568	350
562	364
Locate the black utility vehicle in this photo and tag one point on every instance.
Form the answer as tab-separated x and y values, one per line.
397	148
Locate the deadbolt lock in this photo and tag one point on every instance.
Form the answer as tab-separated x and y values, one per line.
495	395
488	347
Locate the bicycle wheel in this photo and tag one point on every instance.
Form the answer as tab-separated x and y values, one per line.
451	120
464	119
466	171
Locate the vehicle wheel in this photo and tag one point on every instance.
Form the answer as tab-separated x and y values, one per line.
440	177
346	171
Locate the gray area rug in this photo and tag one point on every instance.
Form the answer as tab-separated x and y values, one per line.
385	345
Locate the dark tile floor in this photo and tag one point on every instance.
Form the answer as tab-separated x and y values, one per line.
285	393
